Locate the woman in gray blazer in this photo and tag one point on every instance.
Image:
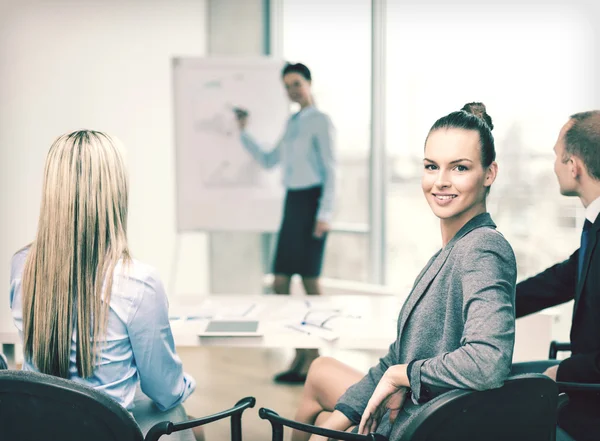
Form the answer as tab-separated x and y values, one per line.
456	329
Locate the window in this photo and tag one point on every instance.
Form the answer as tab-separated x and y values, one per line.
530	66
333	38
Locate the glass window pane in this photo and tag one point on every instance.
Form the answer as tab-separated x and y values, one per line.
532	68
333	38
347	257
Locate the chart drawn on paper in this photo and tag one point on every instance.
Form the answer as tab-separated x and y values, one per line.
227	162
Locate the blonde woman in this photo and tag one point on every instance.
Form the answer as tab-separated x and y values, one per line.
86	310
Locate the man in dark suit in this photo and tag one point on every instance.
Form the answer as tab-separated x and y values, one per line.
577	167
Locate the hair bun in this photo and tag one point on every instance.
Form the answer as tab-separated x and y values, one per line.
478	110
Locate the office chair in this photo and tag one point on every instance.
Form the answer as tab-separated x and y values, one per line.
556	347
278	423
36	406
524	409
566	387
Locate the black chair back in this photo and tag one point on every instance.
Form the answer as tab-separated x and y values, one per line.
524	409
36	406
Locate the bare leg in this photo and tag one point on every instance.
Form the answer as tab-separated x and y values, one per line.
322	417
198	431
304	357
327	380
281	284
311	285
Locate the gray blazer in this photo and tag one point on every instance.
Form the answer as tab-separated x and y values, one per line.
456	329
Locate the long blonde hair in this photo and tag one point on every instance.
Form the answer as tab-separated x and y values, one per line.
81	236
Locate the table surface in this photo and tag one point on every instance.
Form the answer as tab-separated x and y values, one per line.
356	322
351	321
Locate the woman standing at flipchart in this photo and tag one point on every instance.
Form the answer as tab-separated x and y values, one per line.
306	153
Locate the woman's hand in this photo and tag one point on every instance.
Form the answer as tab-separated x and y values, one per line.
336	421
390	393
241	116
321	228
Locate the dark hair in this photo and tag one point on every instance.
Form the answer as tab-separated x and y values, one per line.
583	140
298	68
472	116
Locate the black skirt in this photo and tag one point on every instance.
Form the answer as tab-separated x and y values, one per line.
298	251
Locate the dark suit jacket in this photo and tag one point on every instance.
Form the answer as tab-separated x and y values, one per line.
556	285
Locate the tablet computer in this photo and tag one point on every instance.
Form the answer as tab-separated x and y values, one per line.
231	328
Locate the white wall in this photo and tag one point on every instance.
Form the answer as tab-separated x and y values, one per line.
104	65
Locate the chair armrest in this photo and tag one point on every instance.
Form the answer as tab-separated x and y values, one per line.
563	400
564	386
278	422
167	427
556	347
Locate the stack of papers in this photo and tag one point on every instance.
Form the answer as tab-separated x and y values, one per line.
325	334
318	322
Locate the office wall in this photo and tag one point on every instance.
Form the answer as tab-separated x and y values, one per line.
236	28
105	65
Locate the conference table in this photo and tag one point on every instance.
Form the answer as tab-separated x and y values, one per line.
299	321
332	321
344	322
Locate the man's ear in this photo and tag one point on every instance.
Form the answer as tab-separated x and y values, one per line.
577	166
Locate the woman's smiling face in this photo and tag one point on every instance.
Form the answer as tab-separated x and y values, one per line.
454	181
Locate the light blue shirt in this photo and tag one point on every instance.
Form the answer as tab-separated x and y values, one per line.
138	346
306	151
